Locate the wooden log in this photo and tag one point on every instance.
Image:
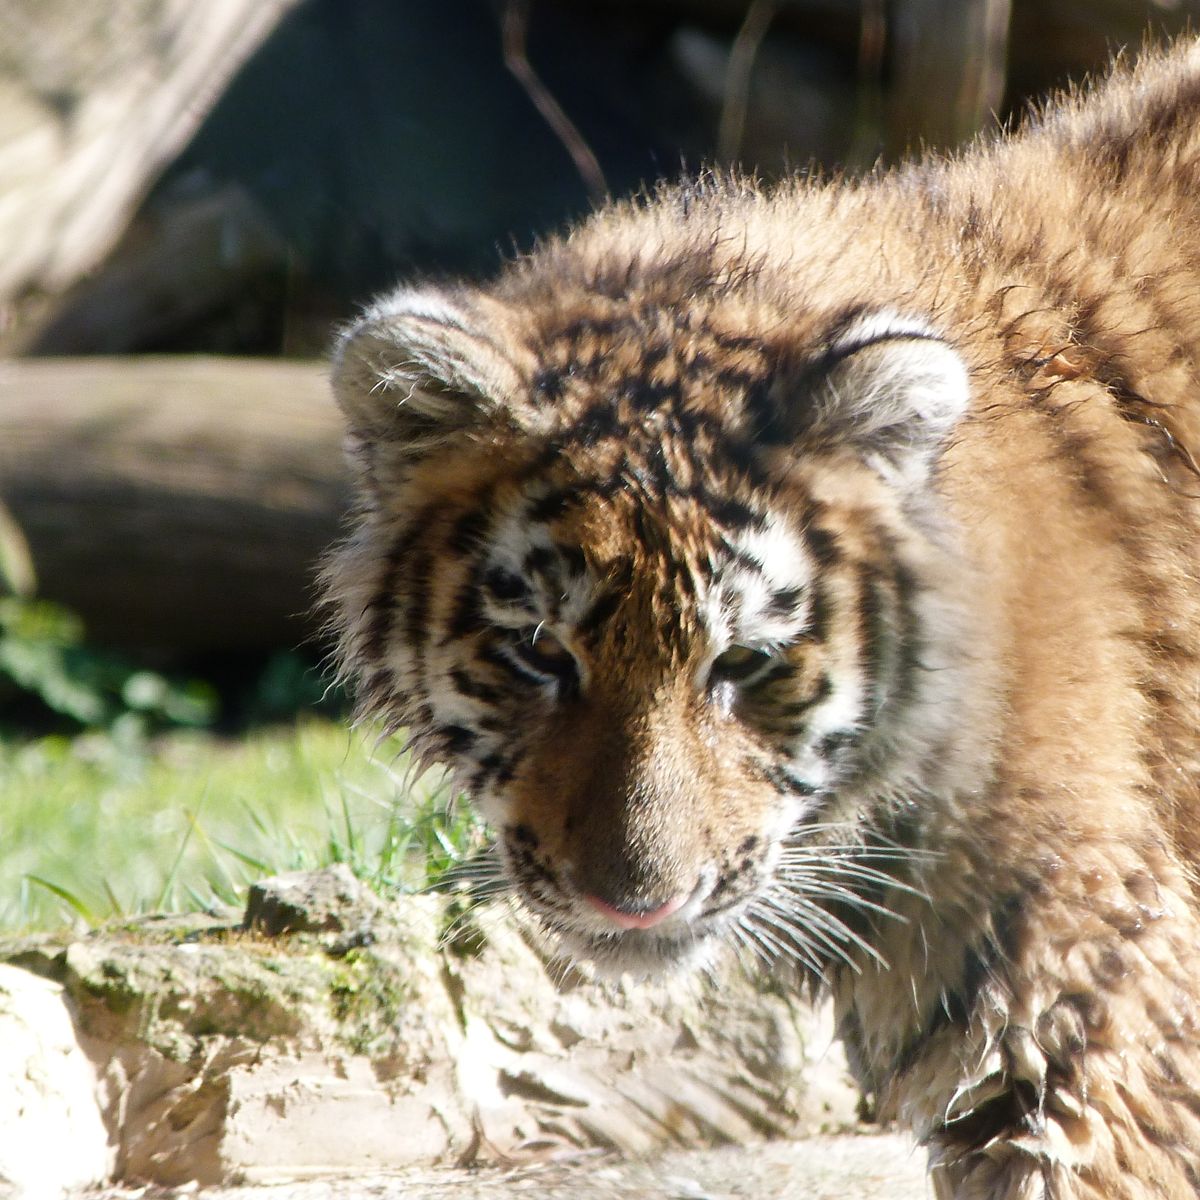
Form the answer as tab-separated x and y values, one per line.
178	505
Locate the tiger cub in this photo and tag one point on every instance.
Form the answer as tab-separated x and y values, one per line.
813	570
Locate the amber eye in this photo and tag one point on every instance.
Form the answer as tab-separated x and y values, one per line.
545	654
743	665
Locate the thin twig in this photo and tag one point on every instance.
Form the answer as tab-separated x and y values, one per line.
871	37
742	54
868	121
515	37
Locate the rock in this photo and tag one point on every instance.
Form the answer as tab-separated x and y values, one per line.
332	900
225	1055
52	1135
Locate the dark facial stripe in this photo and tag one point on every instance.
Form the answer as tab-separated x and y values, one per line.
727	511
495	768
780	777
550	507
908	662
792	712
821	612
597	424
541	560
475	689
456	740
874	621
784	602
646	394
470	528
494	656
833	745
505	585
382	605
416	617
601	610
822	545
573	559
465	617
783	716
779	669
742	558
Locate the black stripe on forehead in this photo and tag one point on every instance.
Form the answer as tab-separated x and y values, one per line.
738	556
784	602
875	616
909	632
541	561
471	527
823	546
889	630
821	610
728	511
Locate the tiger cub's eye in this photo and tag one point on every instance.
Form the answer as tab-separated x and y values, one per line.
546	654
741	665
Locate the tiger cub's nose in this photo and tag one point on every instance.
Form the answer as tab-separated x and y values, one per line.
637	917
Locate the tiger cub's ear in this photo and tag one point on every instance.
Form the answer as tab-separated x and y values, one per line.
420	366
890	389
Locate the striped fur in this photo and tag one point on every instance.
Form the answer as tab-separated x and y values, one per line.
814	571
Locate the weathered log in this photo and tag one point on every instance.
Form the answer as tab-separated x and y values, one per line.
178	505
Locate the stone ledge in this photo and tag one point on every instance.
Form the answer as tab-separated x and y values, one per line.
52	1135
223	1055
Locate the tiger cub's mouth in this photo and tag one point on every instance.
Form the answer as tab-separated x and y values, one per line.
632	934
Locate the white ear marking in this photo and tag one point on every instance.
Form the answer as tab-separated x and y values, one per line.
892	389
416	368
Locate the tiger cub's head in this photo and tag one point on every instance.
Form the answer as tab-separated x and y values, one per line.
656	580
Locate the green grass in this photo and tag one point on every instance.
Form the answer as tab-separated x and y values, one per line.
92	829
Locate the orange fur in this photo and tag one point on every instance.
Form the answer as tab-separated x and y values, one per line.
816	568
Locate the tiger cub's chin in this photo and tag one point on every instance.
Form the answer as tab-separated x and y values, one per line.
640	954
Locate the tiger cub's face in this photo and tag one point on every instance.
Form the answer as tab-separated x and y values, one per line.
652	586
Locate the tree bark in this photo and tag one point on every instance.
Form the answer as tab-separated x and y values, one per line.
177	505
97	99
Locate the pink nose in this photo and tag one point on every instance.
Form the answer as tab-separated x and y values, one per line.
637	920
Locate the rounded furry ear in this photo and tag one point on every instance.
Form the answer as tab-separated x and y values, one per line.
889	388
419	366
